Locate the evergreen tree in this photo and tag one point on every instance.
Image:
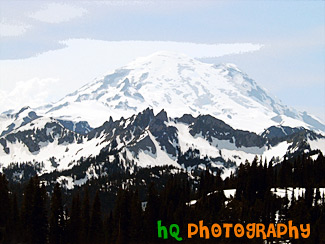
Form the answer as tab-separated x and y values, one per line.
309	196
56	217
13	230
135	231
96	234
122	217
26	210
85	216
152	212
4	206
109	228
39	214
75	224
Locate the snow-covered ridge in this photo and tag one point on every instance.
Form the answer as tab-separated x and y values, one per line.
146	140
9	122
179	84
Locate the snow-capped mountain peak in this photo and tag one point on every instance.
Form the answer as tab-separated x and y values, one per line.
179	84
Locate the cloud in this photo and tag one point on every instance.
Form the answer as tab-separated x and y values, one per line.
125	2
55	13
135	49
8	29
34	92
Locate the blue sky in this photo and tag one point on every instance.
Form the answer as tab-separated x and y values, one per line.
50	48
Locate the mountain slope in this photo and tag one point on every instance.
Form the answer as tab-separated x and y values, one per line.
9	122
179	85
146	140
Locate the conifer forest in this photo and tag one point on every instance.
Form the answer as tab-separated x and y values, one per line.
125	207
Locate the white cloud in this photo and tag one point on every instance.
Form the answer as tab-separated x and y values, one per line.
34	92
134	49
58	12
123	3
8	29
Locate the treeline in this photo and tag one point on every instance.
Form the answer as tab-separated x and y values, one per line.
30	214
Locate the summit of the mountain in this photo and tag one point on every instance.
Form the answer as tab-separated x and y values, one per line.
179	85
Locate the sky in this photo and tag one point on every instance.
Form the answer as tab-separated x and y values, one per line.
51	48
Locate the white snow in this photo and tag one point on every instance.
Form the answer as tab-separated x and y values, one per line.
297	192
227	172
187	141
317	144
178	84
65	155
66	181
277	151
147	158
280	192
229	193
15	118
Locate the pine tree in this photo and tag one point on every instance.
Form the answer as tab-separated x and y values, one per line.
85	217
14	220
26	210
96	233
39	214
4	206
309	196
121	217
152	212
136	218
109	228
317	196
56	217
13	233
75	224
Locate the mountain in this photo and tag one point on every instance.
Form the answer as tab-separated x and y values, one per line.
179	85
148	140
9	122
164	109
